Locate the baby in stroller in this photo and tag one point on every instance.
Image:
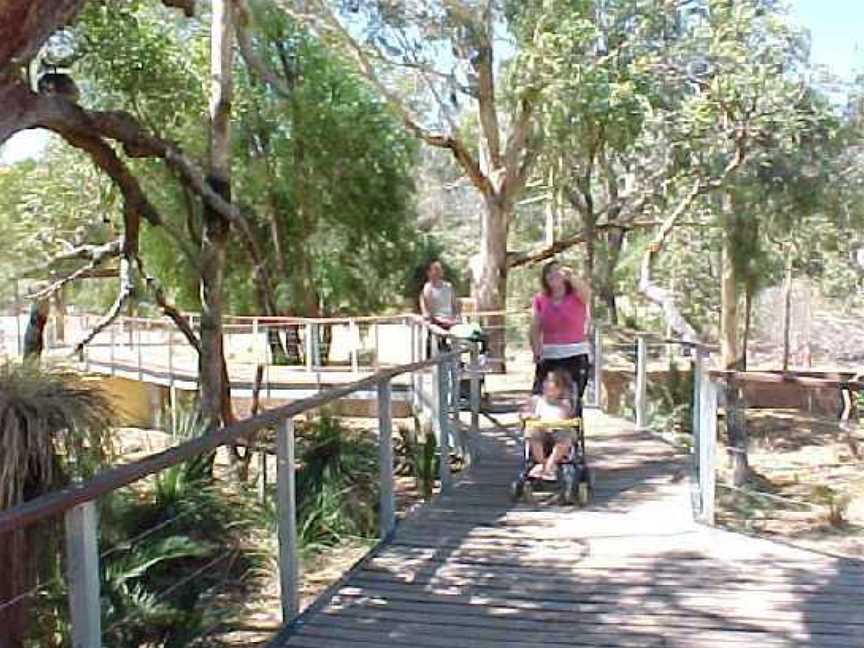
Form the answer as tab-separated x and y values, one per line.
550	446
554	450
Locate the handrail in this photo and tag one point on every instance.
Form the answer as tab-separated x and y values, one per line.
770	377
73	495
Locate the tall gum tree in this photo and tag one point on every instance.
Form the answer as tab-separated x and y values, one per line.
452	51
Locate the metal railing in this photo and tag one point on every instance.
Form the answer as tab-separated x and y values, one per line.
77	502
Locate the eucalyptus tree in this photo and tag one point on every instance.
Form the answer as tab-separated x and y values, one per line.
458	53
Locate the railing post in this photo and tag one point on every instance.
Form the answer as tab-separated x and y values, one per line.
387	513
289	571
309	351
707	447
641	383
140	358
442	375
598	367
262	475
111	341
376	339
475	388
82	557
698	377
354	334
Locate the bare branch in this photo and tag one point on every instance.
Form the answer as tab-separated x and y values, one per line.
332	25
98	255
126	292
661	296
243	19
169	310
188	6
93	253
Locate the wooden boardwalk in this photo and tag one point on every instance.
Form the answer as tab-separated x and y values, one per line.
472	570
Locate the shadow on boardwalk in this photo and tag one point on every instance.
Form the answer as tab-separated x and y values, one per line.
474	570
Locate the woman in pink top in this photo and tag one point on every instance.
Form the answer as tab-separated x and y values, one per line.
562	313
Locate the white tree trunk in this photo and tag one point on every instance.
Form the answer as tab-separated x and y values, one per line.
490	280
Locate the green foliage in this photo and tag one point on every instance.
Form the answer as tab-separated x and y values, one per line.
671	401
419	457
336	486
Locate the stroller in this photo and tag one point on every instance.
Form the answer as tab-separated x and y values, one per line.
574	481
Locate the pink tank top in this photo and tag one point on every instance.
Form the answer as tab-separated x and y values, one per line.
561	323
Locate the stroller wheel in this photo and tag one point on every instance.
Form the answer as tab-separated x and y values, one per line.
568	477
517	490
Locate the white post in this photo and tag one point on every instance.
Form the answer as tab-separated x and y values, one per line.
387	514
289	569
82	558
598	367
641	383
111	341
436	388
415	399
442	374
262	475
698	377
375	342
475	388
19	341
354	335
140	358
707	447
309	332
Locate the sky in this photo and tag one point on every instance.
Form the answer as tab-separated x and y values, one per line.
836	26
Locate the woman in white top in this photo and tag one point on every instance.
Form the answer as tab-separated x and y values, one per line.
438	302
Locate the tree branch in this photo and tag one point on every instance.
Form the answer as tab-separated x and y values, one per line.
664	297
168	309
331	24
126	292
243	19
93	253
98	254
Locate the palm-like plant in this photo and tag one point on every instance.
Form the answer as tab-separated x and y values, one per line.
53	428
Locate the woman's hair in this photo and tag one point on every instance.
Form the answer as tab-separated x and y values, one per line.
544	284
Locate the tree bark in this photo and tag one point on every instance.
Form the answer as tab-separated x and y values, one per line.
787	309
730	354
214	390
34	337
606	280
490	286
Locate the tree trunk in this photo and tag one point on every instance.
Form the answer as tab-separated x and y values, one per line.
736	428
787	308
34	337
490	284
748	320
214	388
60	316
606	280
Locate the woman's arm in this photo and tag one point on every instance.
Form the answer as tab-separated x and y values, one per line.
424	305
583	292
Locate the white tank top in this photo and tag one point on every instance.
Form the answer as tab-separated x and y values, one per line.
439	299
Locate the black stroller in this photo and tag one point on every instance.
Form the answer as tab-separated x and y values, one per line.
574	482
